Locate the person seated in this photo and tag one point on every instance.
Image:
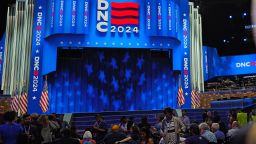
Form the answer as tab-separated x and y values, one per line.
134	137
87	138
123	124
219	134
114	136
206	133
66	138
195	137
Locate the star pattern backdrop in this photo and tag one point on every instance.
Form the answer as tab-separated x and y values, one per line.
113	80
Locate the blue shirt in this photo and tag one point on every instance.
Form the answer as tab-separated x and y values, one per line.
219	135
209	136
10	132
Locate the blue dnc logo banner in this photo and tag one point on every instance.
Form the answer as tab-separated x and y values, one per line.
152	24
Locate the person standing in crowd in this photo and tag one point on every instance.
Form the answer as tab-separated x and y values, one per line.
87	138
144	123
233	131
35	128
216	117
115	135
158	125
145	136
66	138
123	124
74	133
130	123
185	119
54	125
219	134
206	133
195	137
99	128
46	130
10	131
209	118
171	127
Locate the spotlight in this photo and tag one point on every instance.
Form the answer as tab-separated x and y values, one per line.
245	39
245	14
224	41
230	17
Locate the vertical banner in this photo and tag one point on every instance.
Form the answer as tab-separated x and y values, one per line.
185	51
73	16
86	17
59	16
177	18
36	78
159	17
2	45
52	15
149	17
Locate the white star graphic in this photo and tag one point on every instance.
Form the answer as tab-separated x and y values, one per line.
70	42
113	43
185	53
145	44
96	43
161	44
130	44
61	42
153	44
105	43
79	42
37	51
34	97
121	44
1	47
184	15
186	93
168	45
40	7
87	43
138	44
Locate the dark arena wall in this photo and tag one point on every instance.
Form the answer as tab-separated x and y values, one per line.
94	80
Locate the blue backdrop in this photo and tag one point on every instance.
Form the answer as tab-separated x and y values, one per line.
113	80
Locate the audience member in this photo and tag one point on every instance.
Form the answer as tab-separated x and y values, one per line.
195	137
10	131
133	138
185	119
66	138
99	128
130	123
206	133
35	128
54	126
171	127
159	120
123	124
219	134
145	136
74	133
115	135
46	130
87	138
144	123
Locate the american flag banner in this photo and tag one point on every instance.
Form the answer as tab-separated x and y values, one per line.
125	13
44	100
195	98
15	100
24	101
181	99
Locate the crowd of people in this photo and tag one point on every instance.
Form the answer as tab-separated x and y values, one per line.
169	129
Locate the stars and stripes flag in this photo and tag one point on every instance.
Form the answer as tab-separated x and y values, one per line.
195	98
24	101
15	100
44	100
181	99
125	13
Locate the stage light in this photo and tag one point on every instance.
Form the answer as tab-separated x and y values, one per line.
245	39
224	41
230	17
245	14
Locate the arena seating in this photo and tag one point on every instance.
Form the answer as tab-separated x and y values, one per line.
86	120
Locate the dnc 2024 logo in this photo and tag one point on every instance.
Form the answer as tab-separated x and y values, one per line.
124	17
